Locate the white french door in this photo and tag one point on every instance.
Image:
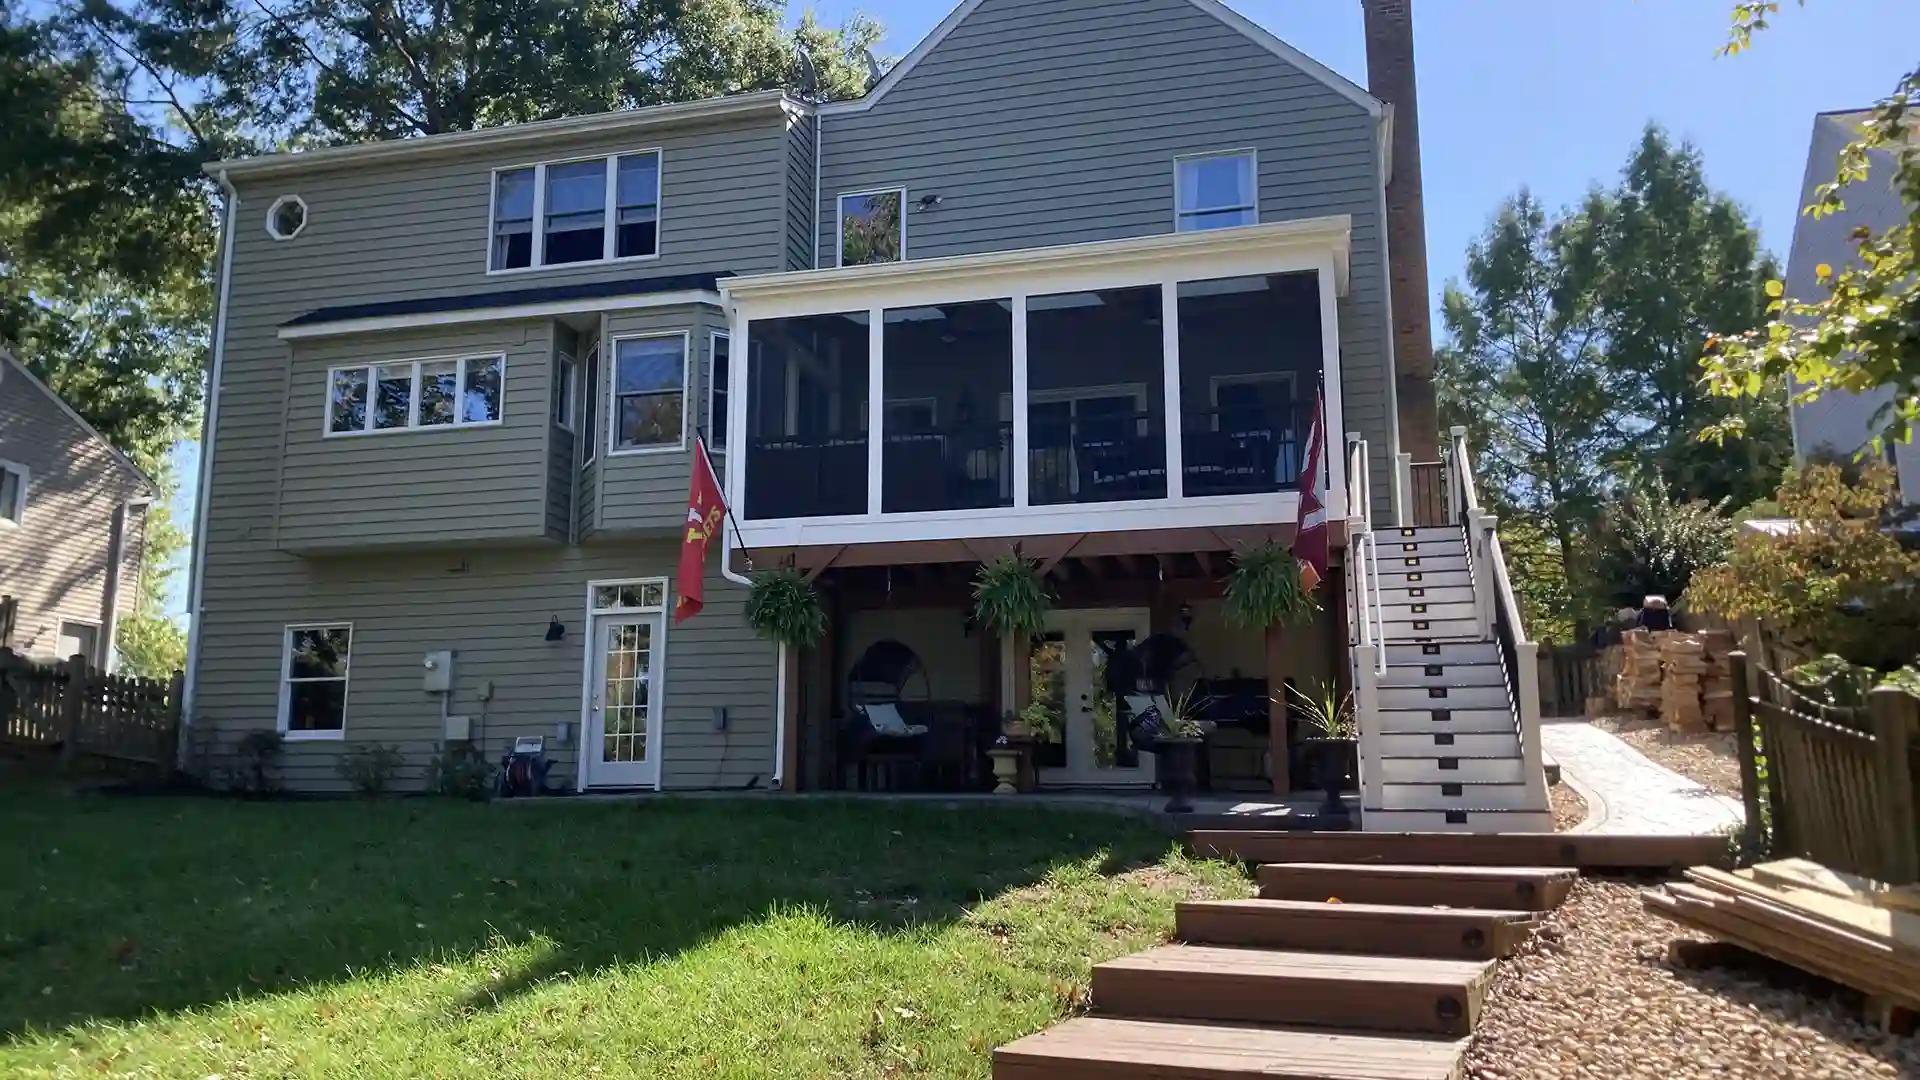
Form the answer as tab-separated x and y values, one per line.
1069	665
622	745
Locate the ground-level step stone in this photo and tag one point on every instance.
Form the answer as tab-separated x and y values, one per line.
1377	929
1517	888
1108	1048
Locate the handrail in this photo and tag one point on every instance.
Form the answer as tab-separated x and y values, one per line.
1364	550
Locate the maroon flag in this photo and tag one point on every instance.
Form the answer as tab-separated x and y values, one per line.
1310	532
706	509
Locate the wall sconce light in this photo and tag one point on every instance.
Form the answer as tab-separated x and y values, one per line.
555	631
1186	616
927	202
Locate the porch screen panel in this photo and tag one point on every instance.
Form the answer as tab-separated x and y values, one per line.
946	443
806	435
1096	415
1249	365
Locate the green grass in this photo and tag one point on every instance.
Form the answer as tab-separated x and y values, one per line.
190	938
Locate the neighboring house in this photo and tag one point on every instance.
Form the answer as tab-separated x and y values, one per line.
1838	423
1068	276
72	526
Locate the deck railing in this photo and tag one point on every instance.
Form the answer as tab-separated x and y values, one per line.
1829	783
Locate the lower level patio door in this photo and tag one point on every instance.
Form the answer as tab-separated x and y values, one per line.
1069	666
622	744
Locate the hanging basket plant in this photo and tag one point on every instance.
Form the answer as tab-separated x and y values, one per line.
1009	597
783	607
1264	589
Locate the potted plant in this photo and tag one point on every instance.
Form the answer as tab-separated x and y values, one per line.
783	607
1010	597
1177	749
1264	590
1036	721
1333	756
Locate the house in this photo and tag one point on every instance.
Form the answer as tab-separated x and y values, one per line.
1840	423
1069	277
72	526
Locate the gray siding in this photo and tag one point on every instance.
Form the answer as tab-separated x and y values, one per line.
802	147
492	609
647	491
1043	122
54	562
560	474
418	487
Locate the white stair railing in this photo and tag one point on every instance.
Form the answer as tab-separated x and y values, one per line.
1497	611
1366	619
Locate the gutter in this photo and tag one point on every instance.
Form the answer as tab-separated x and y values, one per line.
203	492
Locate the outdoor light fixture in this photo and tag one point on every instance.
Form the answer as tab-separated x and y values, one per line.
555	631
1186	616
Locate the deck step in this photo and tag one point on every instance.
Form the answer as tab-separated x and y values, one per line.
1420	532
1109	1048
1440	716
1445	697
1312	989
1459	652
1515	888
1435	765
1458	821
1590	850
1416	593
1444	675
1422	628
1456	794
1379	929
1434	740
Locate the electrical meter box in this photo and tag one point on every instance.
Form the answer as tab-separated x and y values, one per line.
438	672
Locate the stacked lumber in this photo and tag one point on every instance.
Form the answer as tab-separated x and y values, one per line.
1716	687
1638	686
1683	666
1778	913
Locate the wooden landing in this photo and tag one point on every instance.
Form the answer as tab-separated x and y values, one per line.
1377	993
1465	849
1507	888
1441	933
1103	1048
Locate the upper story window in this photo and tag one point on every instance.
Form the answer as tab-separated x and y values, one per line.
410	394
872	227
649	393
13	493
1216	191
556	214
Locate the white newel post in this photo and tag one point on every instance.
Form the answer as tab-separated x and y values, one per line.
1402	488
1527	657
1486	592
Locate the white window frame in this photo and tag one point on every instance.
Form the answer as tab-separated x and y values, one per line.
286	682
609	210
840	220
273	212
656	692
91	652
413	424
714	337
16	515
591	383
1179	160
612	395
566	402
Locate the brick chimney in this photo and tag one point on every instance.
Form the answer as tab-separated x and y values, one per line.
1390	78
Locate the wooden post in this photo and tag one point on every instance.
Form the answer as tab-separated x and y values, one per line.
1277	742
1893	716
73	707
1751	833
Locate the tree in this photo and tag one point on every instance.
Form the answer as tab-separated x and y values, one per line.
150	643
1865	332
1671	263
1835	579
1651	544
1523	372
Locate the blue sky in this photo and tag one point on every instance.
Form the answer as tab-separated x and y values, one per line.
1552	94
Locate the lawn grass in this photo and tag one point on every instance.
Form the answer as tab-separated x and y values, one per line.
191	938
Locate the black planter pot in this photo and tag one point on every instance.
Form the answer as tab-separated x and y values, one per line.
1334	765
1179	765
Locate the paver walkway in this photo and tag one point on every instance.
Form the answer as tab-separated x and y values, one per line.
1626	792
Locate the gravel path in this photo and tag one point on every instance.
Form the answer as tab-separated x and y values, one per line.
1593	998
1708	760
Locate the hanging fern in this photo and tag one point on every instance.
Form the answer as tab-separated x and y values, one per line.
1264	588
783	607
1010	598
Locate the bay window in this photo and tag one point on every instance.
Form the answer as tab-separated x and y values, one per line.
462	391
649	393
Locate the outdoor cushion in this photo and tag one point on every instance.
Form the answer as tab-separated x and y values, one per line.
885	719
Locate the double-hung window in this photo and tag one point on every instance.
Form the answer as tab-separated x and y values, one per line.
722	355
13	493
649	393
313	681
410	394
570	212
1216	191
872	227
563	391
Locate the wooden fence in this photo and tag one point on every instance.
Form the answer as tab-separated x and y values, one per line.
1569	675
1427	494
1835	785
80	710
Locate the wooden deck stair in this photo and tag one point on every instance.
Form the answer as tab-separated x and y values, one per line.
1385	984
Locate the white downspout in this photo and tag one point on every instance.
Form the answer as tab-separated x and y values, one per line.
203	491
106	649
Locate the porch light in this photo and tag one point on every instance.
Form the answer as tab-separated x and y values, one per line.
555	631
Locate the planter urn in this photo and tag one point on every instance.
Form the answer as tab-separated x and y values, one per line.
1179	762
1006	769
1335	768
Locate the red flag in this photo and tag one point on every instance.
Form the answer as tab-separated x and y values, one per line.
706	509
1310	532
